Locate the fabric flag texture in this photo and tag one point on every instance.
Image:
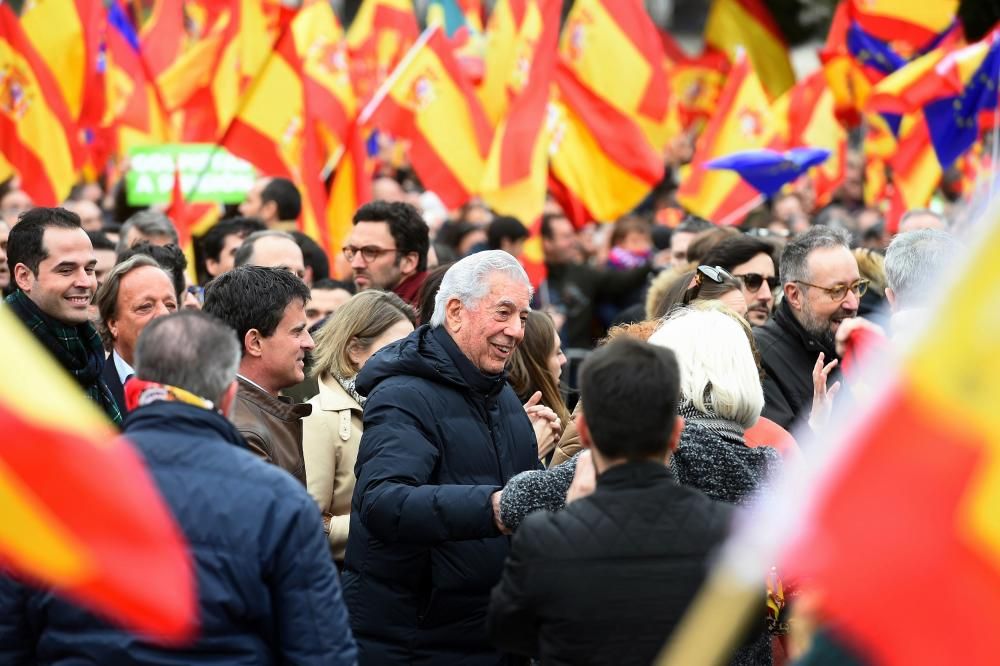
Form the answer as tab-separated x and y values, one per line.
596	153
429	102
604	38
38	135
917	580
748	25
119	552
768	170
743	122
378	38
516	173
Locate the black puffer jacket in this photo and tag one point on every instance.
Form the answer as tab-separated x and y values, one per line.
788	354
440	438
607	579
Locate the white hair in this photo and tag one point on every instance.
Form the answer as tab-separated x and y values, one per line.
468	280
915	261
718	371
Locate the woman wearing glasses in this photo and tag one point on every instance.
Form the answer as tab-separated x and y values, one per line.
331	435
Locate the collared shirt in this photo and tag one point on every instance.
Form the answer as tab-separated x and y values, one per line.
124	369
250	381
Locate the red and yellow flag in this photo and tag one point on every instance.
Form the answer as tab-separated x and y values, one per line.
917	580
603	39
748	25
38	135
743	121
910	27
429	102
80	512
378	38
516	173
597	153
805	116
350	189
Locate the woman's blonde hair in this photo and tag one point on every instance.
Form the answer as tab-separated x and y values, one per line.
718	371
529	370
871	265
356	325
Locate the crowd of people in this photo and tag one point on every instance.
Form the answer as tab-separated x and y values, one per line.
434	461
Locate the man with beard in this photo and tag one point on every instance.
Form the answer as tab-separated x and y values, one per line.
751	261
822	287
388	249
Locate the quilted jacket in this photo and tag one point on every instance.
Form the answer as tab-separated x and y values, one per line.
607	579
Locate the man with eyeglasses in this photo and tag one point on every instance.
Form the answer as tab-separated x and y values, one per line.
388	248
822	287
751	261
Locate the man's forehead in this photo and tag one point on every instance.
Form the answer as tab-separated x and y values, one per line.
835	262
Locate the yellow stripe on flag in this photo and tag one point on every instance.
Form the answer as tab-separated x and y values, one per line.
53	26
731	27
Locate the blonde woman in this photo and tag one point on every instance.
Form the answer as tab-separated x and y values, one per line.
332	433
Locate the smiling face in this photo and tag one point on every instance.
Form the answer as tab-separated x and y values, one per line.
144	294
816	311
283	353
65	284
490	330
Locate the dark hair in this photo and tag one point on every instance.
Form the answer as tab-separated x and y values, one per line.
428	291
795	258
546	227
313	256
705	241
503	228
529	369
285	196
737	250
406	225
25	246
630	224
328	284
170	258
681	293
215	238
630	390
253	297
693	224
100	241
191	350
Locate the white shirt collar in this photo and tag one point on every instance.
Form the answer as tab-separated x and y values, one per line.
124	369
250	381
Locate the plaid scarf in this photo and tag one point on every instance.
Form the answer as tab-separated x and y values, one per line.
78	349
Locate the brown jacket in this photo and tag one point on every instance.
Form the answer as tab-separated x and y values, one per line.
569	444
331	436
272	426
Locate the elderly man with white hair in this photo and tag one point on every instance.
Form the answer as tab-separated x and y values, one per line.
443	433
915	262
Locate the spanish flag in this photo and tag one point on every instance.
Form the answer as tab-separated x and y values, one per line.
80	512
428	102
516	173
743	121
597	153
695	86
351	187
806	116
748	24
900	537
38	136
603	39
378	38
911	27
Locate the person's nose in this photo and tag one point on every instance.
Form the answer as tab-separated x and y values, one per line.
764	293
358	260
161	310
84	279
308	343
851	302
515	329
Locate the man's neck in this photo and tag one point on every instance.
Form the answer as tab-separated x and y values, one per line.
602	464
258	379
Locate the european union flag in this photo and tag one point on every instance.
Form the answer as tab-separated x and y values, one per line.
768	170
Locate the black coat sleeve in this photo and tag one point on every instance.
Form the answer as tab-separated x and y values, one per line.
17	640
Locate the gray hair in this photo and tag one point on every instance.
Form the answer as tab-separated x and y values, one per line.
795	258
107	295
244	254
915	259
189	349
149	223
917	212
468	280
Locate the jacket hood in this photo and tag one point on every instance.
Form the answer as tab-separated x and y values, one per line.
428	353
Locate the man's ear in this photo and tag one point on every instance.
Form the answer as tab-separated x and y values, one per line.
112	325
23	277
453	314
890	296
583	430
794	295
408	263
675	436
252	343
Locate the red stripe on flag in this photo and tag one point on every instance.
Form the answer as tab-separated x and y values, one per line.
41	190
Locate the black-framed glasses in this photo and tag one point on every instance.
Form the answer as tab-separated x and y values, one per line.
716	274
369	252
753	281
838	292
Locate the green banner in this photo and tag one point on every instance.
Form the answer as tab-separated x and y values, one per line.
208	173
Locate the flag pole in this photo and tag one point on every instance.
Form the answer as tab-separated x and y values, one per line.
380	94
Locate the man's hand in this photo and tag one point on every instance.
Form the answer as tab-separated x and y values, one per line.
822	396
584	479
495	501
848	327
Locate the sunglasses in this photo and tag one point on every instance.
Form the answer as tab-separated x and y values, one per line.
716	274
753	281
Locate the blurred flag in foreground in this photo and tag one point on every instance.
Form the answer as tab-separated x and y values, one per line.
80	512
